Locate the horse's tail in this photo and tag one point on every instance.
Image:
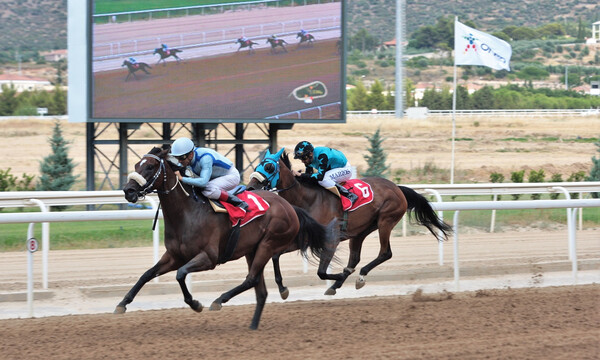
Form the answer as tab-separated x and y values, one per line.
320	239
423	212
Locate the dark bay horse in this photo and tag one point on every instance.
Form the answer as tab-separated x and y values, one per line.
135	67
196	237
389	204
165	54
246	44
307	38
276	43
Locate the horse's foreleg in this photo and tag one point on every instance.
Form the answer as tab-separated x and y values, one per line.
200	262
261	298
164	265
283	291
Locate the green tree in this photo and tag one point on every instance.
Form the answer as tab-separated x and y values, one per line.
580	31
8	100
56	169
555	178
377	157
376	99
496	177
595	171
517	177
483	98
536	177
357	97
363	41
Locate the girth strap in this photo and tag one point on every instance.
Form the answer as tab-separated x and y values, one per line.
234	236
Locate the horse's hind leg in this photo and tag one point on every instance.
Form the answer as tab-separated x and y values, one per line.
385	252
164	265
355	245
283	290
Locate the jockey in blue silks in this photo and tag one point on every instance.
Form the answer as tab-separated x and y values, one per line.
326	165
215	174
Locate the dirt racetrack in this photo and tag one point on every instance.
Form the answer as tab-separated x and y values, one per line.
547	323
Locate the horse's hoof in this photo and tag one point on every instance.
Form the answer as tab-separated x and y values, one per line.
285	293
120	310
196	306
215	306
360	282
330	291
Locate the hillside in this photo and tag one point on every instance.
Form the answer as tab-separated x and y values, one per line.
33	25
376	15
42	24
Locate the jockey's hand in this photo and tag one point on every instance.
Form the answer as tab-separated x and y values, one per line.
178	174
296	173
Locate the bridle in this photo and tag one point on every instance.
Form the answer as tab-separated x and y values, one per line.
270	180
147	187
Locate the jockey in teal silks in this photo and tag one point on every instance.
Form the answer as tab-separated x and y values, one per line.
326	165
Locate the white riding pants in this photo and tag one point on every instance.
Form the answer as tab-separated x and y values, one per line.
337	175
227	182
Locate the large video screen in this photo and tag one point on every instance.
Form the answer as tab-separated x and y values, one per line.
216	61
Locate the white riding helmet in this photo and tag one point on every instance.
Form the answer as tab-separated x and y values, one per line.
182	146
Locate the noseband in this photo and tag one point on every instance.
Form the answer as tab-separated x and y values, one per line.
147	186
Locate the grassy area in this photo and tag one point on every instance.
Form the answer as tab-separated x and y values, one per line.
81	235
117	234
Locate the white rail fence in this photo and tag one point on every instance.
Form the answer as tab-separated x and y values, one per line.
103	51
45	199
489	112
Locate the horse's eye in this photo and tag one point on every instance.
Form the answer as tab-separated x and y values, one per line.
269	168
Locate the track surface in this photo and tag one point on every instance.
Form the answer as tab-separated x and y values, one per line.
551	322
548	323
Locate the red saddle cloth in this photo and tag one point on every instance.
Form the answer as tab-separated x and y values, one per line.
257	207
361	189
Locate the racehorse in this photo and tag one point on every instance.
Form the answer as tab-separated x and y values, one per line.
196	237
387	207
275	43
309	38
135	67
163	55
246	43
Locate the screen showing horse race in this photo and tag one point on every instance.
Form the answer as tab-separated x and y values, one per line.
276	61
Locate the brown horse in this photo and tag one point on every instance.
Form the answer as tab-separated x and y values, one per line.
135	67
276	43
309	39
389	204
197	238
165	54
246	43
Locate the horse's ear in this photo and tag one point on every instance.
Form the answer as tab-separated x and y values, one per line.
166	147
267	154
278	155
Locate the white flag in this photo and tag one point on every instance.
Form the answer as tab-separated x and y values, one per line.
473	47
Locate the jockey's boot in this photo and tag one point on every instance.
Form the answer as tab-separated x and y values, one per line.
233	200
339	190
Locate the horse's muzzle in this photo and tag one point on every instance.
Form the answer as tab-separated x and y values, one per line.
131	193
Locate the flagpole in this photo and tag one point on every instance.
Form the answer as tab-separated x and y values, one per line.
453	112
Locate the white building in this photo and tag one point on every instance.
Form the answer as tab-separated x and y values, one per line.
595	39
24	83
